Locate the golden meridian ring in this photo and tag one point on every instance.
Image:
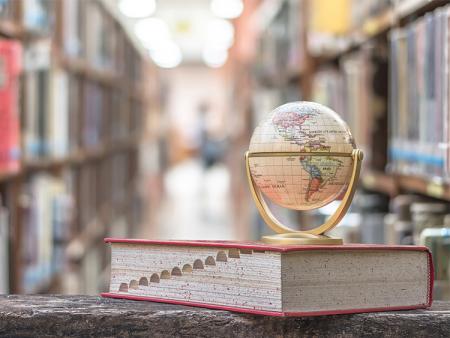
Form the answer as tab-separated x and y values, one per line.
287	235
297	153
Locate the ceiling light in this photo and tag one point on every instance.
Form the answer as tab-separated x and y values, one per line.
137	8
214	57
227	9
220	33
167	55
151	30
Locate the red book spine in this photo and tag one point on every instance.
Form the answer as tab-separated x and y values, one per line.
10	67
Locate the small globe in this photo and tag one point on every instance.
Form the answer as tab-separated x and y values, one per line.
301	182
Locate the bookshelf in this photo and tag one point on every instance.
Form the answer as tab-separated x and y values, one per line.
362	59
369	35
83	106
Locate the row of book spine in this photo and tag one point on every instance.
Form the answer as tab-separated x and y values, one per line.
354	90
419	94
53	123
85	32
68	75
57	208
279	51
56	123
88	33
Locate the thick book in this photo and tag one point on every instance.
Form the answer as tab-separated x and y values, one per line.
258	278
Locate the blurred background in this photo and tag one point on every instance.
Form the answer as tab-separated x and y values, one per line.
130	118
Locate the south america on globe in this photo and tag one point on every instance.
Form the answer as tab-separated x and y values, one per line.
302	182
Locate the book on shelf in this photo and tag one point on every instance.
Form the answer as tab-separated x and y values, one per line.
270	279
355	90
8	10
58	113
328	26
74	112
419	93
280	53
73	25
38	15
46	108
4	249
334	25
94	111
48	208
10	70
100	37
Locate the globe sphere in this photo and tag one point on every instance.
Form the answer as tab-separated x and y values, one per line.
301	181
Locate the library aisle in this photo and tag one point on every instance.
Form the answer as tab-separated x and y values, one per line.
202	203
130	118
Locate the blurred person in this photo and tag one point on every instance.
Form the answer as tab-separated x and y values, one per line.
211	148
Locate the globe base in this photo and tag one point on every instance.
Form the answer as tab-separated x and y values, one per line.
297	238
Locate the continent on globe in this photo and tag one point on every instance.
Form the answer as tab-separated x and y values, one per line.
322	171
292	127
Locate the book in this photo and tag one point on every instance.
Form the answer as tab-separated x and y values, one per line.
7	10
72	27
38	15
58	114
10	68
272	280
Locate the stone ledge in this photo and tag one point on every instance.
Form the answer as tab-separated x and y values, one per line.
90	316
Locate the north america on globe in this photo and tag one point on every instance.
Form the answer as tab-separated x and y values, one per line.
302	182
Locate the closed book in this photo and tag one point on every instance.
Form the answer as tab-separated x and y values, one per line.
274	280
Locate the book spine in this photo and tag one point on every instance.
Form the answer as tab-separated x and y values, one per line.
10	68
4	249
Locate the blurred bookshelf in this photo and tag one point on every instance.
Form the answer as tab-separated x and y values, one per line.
76	99
383	66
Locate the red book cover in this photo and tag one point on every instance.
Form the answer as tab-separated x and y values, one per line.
284	249
10	67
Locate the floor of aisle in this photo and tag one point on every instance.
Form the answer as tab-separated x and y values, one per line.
196	203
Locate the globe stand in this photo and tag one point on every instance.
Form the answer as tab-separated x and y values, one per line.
286	235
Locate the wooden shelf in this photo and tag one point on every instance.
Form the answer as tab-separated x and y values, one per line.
103	76
13	30
381	24
393	184
76	158
80	156
6	176
10	29
423	186
82	67
380	182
